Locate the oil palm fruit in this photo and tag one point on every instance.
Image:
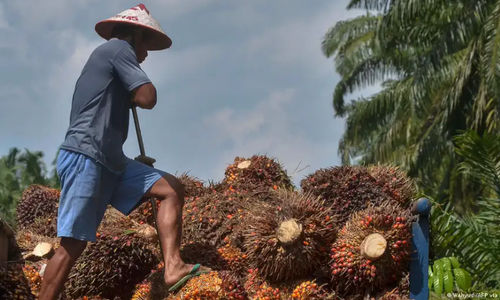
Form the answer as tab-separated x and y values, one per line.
347	189
38	203
373	249
234	258
212	286
310	290
256	175
211	218
13	282
142	291
193	187
394	183
34	279
288	238
111	267
252	281
268	293
143	214
232	286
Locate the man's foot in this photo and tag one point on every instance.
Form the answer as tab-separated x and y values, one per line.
174	274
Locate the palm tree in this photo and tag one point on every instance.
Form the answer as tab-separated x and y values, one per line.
474	236
437	60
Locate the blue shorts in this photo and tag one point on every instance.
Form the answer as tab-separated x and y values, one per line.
87	187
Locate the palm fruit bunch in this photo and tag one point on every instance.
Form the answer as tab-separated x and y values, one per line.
193	187
347	189
34	279
289	237
212	286
394	183
114	223
310	290
13	282
211	217
111	267
373	249
255	175
37	210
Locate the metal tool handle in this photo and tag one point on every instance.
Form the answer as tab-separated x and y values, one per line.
142	158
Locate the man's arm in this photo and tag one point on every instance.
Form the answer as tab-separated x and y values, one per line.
144	96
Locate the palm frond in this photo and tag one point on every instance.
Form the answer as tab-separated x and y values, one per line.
481	158
348	32
474	239
369	4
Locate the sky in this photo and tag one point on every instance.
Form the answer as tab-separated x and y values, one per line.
241	78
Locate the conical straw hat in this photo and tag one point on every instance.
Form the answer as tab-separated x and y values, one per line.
138	15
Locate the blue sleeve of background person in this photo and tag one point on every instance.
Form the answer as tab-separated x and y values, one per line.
128	70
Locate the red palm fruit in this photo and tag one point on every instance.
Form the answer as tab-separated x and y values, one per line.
34	279
347	189
211	218
213	285
142	291
193	187
310	290
234	258
288	237
369	249
143	214
394	183
256	175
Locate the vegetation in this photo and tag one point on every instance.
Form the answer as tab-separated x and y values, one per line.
436	114
18	170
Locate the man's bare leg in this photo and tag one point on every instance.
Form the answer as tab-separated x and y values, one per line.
58	268
171	194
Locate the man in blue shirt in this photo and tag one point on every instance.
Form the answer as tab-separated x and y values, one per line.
93	170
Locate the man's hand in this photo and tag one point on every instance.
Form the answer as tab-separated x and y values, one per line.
144	96
145	160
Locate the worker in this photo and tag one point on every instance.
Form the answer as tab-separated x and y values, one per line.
93	169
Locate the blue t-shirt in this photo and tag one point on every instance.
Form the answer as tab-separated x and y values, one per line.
101	102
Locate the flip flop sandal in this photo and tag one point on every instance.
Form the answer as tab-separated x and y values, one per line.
193	273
